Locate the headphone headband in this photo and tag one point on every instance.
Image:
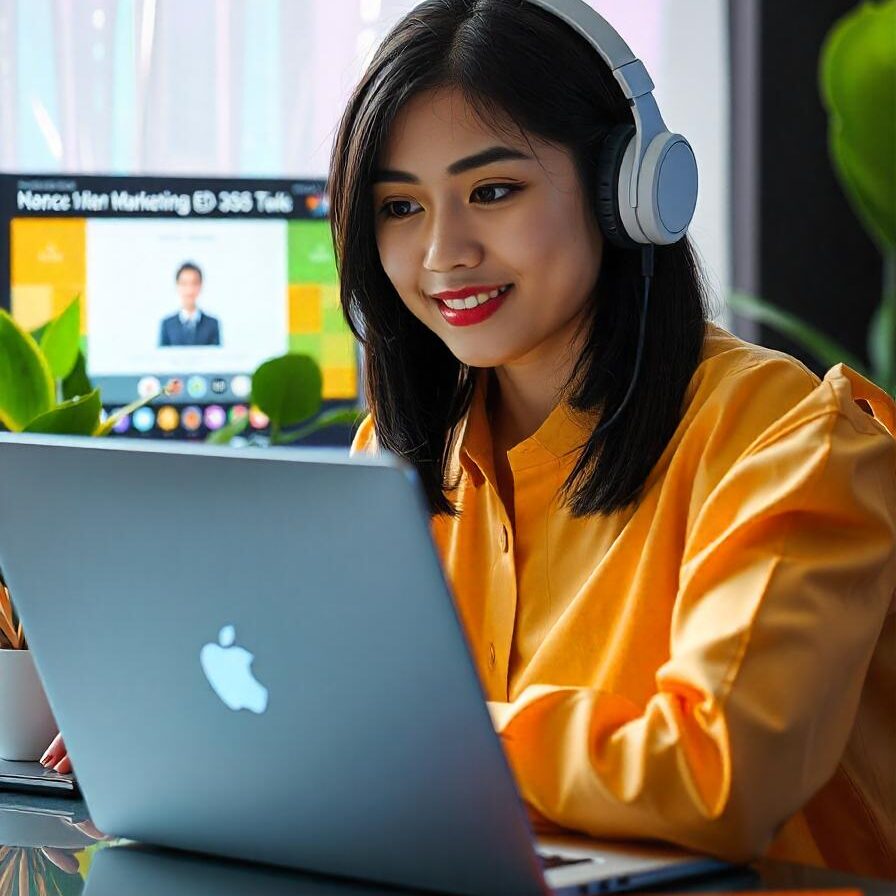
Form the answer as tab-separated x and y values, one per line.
654	187
602	36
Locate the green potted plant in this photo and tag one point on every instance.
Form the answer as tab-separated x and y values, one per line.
857	74
44	388
288	389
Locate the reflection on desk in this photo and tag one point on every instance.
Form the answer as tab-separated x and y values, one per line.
47	844
50	847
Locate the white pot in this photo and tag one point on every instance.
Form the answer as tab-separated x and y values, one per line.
26	723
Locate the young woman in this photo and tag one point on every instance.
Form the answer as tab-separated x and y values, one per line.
676	592
679	620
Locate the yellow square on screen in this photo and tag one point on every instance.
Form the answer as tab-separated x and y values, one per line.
49	251
32	306
304	309
340	382
338	350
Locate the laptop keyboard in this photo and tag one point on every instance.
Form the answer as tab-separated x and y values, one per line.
550	861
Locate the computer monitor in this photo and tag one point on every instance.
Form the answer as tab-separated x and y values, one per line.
254	258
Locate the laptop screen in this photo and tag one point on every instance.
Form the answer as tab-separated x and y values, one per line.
189	283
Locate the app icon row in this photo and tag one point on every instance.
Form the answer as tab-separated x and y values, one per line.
196	386
191	418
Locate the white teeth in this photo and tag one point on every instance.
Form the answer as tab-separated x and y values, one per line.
474	301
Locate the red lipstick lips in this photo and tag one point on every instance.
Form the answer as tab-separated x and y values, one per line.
466	317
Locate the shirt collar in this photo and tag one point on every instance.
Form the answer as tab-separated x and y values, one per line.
559	438
186	317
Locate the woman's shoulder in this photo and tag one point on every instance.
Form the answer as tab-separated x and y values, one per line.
752	385
727	359
738	392
744	396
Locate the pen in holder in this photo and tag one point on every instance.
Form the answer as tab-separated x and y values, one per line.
11	635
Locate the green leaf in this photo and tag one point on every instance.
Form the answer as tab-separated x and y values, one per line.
288	389
78	417
105	428
77	382
823	348
223	435
858	86
61	340
26	383
334	417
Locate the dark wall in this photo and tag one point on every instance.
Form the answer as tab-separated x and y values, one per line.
797	242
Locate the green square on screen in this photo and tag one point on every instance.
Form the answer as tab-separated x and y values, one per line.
306	344
311	255
334	322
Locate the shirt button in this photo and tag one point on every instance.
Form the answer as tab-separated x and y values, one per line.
491	655
505	539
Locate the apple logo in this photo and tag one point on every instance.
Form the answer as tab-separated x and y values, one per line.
227	669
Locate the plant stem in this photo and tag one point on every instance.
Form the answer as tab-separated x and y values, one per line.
346	416
888	302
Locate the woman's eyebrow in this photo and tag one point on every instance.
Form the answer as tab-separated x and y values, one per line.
486	157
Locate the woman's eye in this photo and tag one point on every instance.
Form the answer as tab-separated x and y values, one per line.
510	188
389	211
402	208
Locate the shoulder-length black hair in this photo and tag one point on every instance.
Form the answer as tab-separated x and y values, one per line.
513	62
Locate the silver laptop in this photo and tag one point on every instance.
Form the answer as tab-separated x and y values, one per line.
255	654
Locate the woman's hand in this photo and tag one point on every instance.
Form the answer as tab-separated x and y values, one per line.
56	757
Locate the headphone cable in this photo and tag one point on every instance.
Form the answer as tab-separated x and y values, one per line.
647	259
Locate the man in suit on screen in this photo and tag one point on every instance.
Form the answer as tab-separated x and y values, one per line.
189	326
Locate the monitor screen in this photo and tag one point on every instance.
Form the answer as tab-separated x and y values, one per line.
186	283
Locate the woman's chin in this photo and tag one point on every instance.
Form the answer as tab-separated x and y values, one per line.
476	350
478	359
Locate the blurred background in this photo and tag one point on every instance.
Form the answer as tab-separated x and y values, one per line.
254	89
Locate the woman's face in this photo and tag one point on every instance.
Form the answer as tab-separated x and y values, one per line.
447	222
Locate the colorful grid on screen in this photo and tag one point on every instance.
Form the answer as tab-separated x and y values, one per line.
316	325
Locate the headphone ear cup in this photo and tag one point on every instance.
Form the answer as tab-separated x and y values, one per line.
609	164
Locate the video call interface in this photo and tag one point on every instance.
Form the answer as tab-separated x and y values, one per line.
184	283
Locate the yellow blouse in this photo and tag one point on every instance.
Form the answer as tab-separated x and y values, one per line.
717	666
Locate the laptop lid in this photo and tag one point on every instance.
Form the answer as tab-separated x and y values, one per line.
142	571
255	654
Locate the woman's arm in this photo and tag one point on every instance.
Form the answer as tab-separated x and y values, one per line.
787	574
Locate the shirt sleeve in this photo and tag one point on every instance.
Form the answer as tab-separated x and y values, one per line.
787	574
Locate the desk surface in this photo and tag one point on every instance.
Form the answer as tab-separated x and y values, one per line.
52	842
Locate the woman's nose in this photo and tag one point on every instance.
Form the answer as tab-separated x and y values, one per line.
451	241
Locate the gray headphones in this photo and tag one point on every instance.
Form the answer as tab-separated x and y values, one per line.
647	177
